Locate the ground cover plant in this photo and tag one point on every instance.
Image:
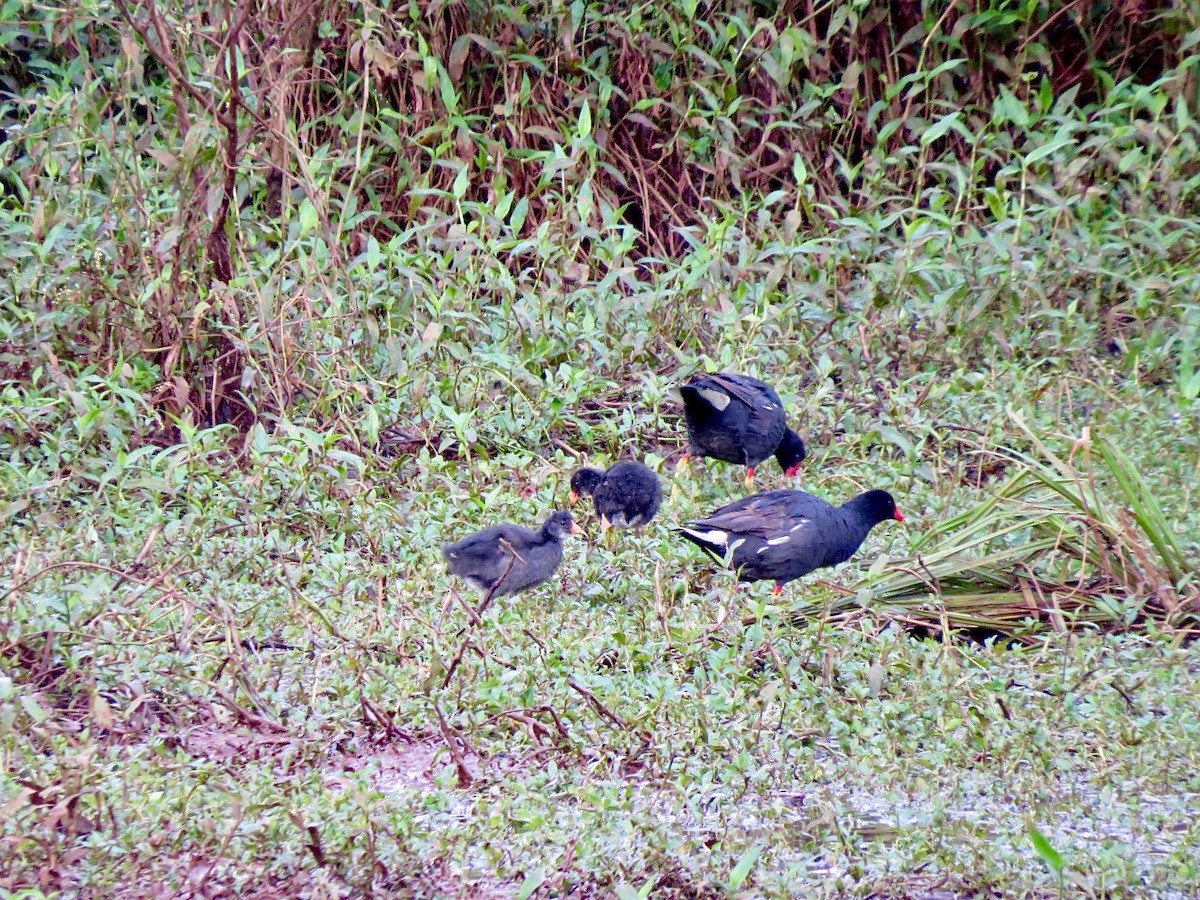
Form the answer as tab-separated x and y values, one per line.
294	292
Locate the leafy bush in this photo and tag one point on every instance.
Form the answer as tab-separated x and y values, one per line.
208	192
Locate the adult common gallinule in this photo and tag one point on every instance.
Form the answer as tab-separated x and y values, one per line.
738	419
626	496
482	559
782	535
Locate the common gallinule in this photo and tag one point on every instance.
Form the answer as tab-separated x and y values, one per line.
738	419
626	496
483	558
782	535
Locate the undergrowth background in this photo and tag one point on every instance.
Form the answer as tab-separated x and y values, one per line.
293	291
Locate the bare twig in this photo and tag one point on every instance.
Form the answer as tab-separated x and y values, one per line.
370	713
479	611
465	779
595	703
244	715
314	838
70	564
253	644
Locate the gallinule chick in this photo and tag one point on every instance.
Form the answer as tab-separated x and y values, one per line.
739	419
782	535
483	558
626	496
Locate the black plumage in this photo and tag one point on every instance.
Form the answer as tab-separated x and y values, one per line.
783	535
482	559
628	495
739	419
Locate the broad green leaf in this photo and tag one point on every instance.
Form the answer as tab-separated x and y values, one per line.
939	128
584	128
1049	855
461	182
307	216
532	882
742	870
1048	150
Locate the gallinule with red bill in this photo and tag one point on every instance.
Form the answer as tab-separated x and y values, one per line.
783	535
738	419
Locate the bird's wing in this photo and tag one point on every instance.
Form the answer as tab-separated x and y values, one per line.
754	393
703	392
765	515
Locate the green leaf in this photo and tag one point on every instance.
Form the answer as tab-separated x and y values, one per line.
1007	108
888	130
946	67
259	440
584	203
997	205
585	120
939	128
308	216
461	182
742	870
893	436
1048	149
14	508
1146	511
520	211
33	709
504	204
1049	855
799	170
1046	95
532	882
446	86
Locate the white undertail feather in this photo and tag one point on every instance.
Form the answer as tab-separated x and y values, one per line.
719	399
708	537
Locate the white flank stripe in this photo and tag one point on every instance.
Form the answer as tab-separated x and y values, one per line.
779	540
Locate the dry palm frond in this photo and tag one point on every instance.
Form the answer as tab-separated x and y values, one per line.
1067	540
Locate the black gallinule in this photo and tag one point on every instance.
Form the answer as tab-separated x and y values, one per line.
782	535
483	558
626	496
738	419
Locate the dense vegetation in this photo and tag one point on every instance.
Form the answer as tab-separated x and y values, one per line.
294	290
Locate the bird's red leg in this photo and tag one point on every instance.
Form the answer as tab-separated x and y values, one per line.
778	589
750	477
